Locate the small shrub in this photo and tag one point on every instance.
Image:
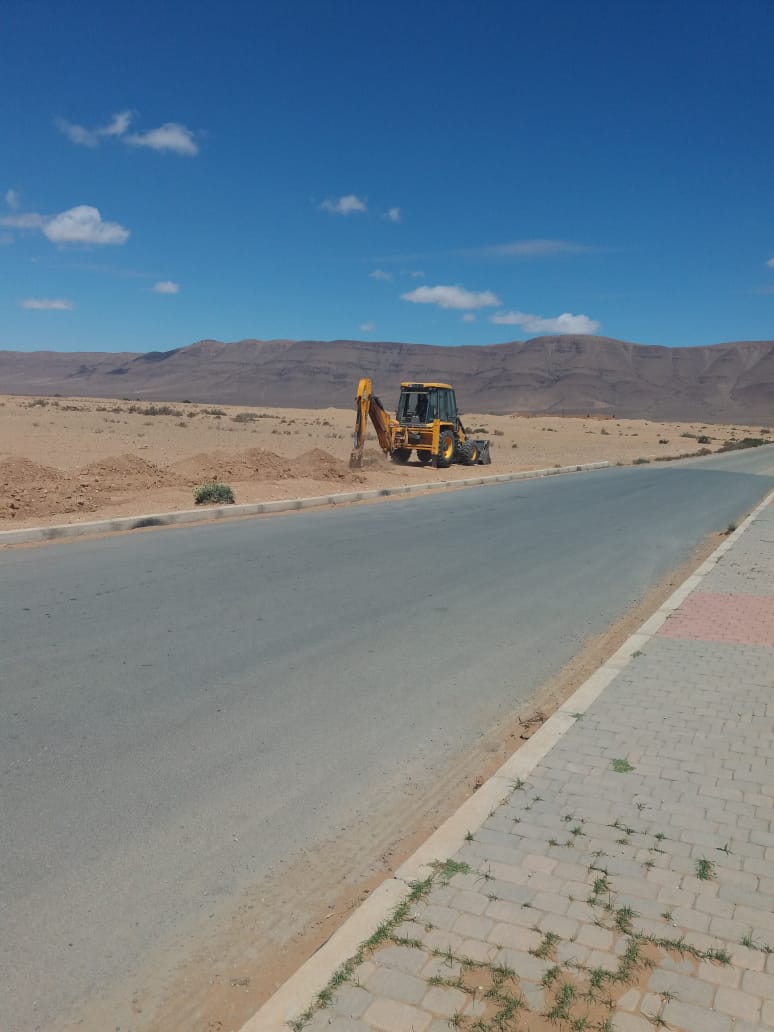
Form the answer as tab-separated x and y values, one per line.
703	439
744	442
641	462
215	492
498	433
154	410
217	412
244	417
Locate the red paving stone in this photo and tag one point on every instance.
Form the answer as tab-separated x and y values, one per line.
716	616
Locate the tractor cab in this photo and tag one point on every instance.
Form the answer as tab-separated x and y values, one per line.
421	404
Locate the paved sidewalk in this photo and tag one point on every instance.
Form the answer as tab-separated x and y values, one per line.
628	882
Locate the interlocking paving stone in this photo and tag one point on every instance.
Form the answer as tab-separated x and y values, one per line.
692	715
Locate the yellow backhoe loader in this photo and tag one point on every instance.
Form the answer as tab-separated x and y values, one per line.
426	421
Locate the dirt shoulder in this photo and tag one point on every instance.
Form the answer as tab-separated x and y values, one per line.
69	460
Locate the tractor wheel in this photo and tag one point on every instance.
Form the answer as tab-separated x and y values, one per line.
446	448
424	456
401	455
468	453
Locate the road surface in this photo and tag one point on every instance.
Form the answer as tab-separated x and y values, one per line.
183	711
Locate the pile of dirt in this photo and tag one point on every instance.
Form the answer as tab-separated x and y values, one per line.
128	472
28	489
253	464
320	465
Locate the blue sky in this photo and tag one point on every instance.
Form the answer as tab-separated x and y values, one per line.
447	172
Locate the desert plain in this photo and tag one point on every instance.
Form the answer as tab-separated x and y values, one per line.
65	460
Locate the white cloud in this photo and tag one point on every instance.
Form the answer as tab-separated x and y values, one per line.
119	124
452	297
12	199
368	327
83	225
79	134
27	220
380	274
344	205
564	323
394	215
168	137
80	225
417	275
770	263
166	287
468	317
46	305
529	249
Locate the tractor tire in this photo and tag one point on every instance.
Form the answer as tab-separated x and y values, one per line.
401	456
447	446
424	456
468	453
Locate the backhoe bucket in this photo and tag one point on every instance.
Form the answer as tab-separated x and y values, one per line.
356	458
484	458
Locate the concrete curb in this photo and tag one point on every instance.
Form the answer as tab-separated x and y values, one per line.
63	531
292	998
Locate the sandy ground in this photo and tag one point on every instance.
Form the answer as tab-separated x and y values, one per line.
65	460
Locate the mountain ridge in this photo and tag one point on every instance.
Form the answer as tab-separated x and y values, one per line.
570	374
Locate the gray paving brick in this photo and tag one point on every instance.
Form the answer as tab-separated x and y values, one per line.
739	1005
469	901
327	1020
444	1000
759	983
391	1016
625	1022
395	985
473	926
701	1019
686	988
351	1000
524	964
437	915
402	958
513	937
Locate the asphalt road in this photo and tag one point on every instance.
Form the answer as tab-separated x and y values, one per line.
182	710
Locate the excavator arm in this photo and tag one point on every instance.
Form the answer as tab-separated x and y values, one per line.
368	405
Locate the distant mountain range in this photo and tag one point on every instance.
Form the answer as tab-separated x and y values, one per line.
564	374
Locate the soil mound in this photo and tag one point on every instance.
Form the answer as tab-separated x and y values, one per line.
253	464
122	472
29	489
320	465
